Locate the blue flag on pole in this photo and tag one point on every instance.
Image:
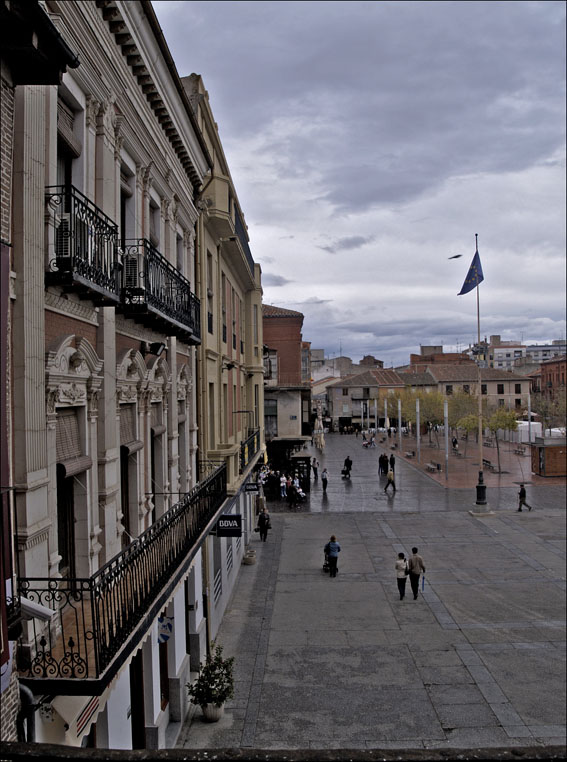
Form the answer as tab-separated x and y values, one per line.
474	276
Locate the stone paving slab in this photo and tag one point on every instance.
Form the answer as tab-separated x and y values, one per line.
477	661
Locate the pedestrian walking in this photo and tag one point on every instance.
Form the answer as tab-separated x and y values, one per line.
264	524
347	467
392	461
315	467
401	574
522	499
416	567
332	550
324	479
390	482
283	486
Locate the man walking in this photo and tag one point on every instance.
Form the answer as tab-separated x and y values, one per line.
522	499
315	467
416	567
390	482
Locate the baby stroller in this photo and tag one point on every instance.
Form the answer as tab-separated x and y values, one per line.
326	564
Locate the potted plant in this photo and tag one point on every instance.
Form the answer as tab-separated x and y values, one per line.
214	685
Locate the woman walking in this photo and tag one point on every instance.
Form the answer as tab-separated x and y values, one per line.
401	574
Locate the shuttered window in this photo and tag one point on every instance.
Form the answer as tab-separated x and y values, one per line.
128	429
157	426
68	447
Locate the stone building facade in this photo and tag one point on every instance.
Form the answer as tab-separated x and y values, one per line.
120	579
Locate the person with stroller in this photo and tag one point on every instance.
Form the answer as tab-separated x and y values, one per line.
347	467
332	550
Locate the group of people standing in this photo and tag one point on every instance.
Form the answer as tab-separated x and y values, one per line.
386	468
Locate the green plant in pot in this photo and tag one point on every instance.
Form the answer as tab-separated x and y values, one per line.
214	685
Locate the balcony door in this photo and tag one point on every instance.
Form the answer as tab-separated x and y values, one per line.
66	523
137	712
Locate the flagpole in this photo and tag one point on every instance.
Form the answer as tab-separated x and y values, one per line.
481	486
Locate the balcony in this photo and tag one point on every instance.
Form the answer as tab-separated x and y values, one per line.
249	448
157	294
100	621
83	246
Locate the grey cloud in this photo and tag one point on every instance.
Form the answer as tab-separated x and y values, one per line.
347	243
269	279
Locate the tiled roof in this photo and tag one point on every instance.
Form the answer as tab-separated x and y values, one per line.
417	379
374	377
464	373
269	310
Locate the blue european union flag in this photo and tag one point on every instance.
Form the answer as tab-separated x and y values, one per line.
474	276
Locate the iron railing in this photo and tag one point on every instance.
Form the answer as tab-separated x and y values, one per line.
243	238
96	616
85	248
150	282
249	448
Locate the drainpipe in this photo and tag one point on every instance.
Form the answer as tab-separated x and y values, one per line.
25	719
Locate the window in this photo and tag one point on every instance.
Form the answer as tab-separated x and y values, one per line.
466	389
500	389
271	418
500	403
518	403
449	389
483	389
345	392
518	388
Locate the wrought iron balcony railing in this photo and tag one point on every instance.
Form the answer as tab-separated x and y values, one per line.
249	448
83	250
94	628
155	291
243	238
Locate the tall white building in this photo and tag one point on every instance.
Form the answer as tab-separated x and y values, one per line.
114	502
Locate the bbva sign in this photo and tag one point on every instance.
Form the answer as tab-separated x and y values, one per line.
229	525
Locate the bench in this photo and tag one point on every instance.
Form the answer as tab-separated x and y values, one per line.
520	451
458	453
409	454
487	464
433	467
488	443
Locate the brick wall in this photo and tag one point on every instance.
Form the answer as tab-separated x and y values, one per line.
284	335
9	705
57	325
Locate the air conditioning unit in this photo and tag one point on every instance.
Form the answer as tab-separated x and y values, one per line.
131	277
63	247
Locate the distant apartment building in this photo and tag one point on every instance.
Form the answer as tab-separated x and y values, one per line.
287	385
504	355
553	376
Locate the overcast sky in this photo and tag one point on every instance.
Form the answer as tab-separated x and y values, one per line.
370	141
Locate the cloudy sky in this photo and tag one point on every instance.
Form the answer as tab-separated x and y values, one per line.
370	141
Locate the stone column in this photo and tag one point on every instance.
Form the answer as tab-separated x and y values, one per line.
108	443
173	423
30	450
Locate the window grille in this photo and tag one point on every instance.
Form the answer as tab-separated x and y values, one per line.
217	586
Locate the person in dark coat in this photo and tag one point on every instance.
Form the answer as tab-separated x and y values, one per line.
392	461
264	524
347	467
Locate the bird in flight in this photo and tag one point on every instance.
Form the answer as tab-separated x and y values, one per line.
455	256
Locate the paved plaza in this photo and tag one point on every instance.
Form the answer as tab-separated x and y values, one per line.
478	661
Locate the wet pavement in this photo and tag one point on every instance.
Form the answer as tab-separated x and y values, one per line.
478	660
